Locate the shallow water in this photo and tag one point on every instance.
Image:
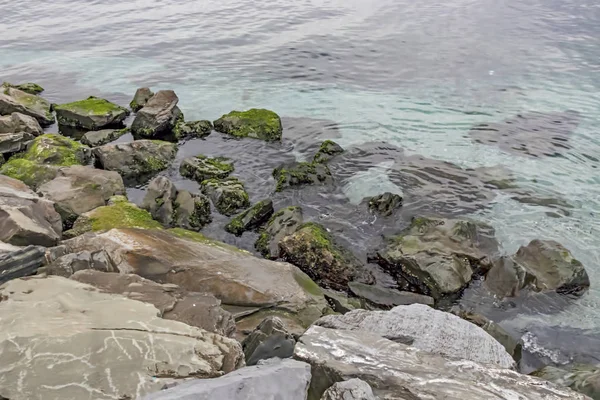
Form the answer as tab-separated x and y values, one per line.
401	82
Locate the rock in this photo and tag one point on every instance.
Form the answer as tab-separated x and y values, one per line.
158	117
438	257
193	129
11	143
20	262
283	223
327	151
25	218
102	137
284	379
301	173
385	204
252	218
20	123
579	377
397	371
98	345
254	123
312	249
201	168
270	326
341	302
426	329
78	189
159	200
228	195
92	113
30	87
386	297
275	346
141	97
192	211
201	310
68	264
136	160
352	389
17	101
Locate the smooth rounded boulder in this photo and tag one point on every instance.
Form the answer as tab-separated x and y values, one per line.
92	113
254	123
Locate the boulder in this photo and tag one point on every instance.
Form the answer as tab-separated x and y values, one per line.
159	199
141	97
387	297
17	101
438	257
192	211
29	87
20	123
270	326
11	143
159	116
342	303
427	329
228	195
327	151
275	346
301	173
252	218
136	160
97	345
352	389
385	204
193	129
102	137
201	310
25	218
92	113
398	371
68	264
279	379
200	168
17	262
254	123
579	377
78	189
283	223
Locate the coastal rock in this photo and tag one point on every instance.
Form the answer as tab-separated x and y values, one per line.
283	223
69	264
201	310
254	123
426	329
159	200
386	297
228	195
270	326
327	151
92	113
17	101
438	257
25	218
141	97
193	129
385	204
11	143
103	346
79	189
158	117
281	379
579	377
200	168
352	389
17	262
342	303
29	87
252	218
192	210
20	123
397	371
275	346
301	173
102	137
136	160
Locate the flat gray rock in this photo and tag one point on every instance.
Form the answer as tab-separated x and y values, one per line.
102	137
14	100
17	122
352	389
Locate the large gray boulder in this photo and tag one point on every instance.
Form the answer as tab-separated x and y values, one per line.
427	329
283	223
62	339
17	101
352	389
275	380
397	371
17	122
158	117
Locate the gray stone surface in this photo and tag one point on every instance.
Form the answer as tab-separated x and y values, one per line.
68	264
19	262
14	100
158	117
102	137
275	380
268	327
582	378
141	97
427	329
352	389
283	223
386	297
17	122
228	195
14	142
252	218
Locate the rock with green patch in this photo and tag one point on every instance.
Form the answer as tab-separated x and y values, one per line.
439	257
20	123
141	97
192	211
252	218
201	168
582	378
301	173
158	118
29	172
386	298
254	123
102	137
193	129
136	161
14	100
29	87
327	151
385	204
283	223
228	195
92	113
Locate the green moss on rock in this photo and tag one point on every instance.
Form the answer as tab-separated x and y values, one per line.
200	238
228	195
30	87
254	123
327	151
29	172
301	173
92	113
251	218
201	168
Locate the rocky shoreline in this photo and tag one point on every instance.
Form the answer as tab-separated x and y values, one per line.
102	298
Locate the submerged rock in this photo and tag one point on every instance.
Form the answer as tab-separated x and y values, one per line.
14	100
102	137
141	97
69	264
20	123
201	168
228	195
254	123
352	389
30	87
252	218
301	173
193	129
579	377
159	116
283	223
327	151
385	204
387	297
136	351
92	113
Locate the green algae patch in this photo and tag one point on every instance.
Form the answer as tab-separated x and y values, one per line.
255	123
57	150
301	173
307	284
30	87
29	172
92	113
327	151
200	238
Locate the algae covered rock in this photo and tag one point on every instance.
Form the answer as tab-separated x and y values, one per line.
201	168
92	113
385	204
254	123
228	195
20	123
251	218
327	151
283	223
192	211
383	297
301	173
15	100
141	97
159	116
102	137
29	87
193	129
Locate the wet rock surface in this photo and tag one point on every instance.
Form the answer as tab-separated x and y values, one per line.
159	116
228	195
193	129
17	262
283	223
256	347
385	204
141	97
386	297
69	264
301	173
13	100
92	113
20	123
582	378
102	137
252	218
352	389
201	168
254	123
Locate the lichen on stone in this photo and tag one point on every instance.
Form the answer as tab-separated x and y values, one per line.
254	123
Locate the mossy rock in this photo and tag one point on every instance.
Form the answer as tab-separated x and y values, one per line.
254	123
252	218
200	238
228	195
14	100
102	137
201	168
31	88
327	151
92	113
385	204
193	129
283	223
141	97
29	172
301	173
